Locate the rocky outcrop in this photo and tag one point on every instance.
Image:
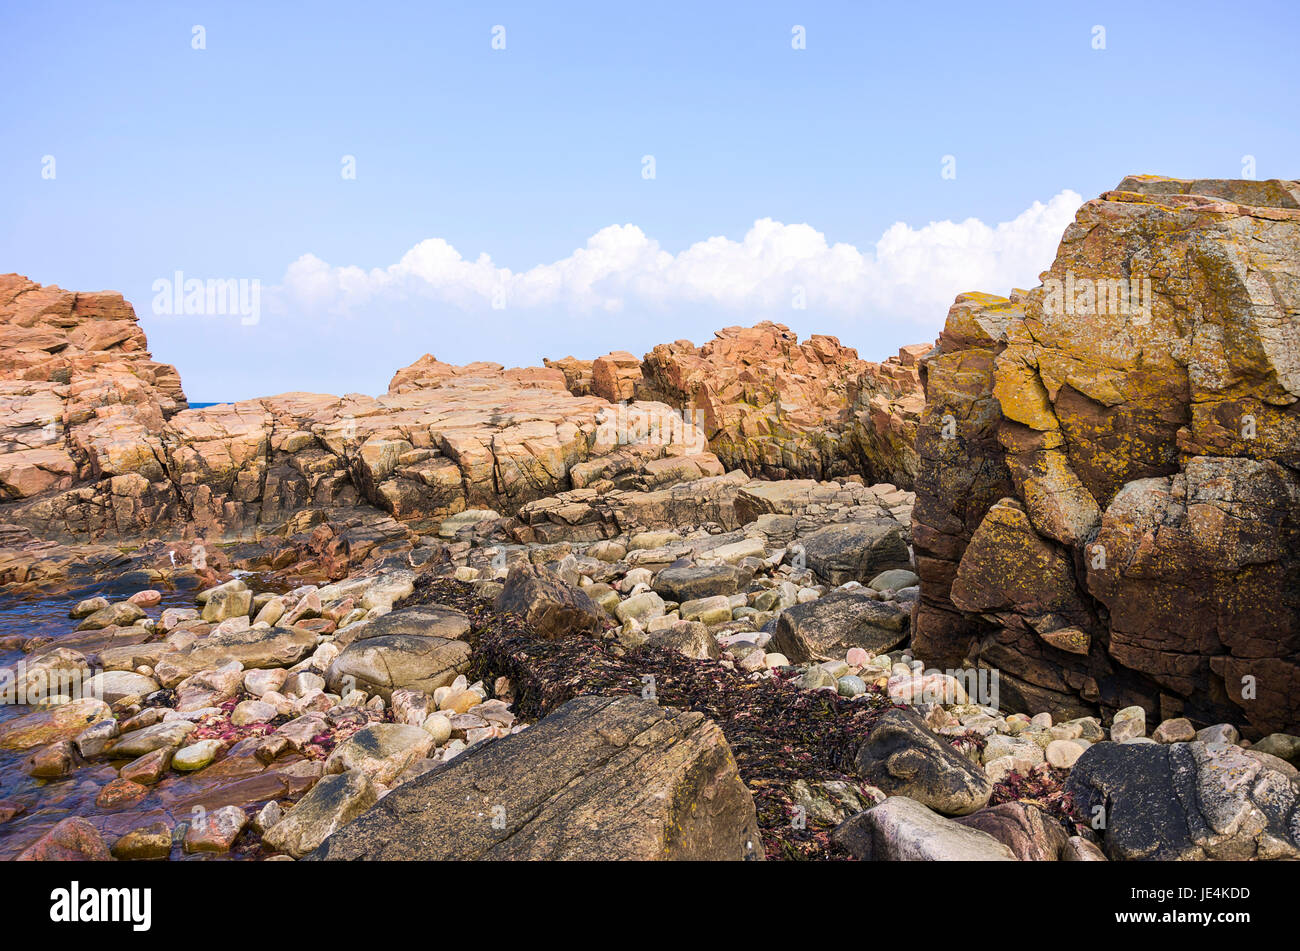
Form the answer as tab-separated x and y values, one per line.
600	778
96	440
80	397
782	409
1188	802
1107	500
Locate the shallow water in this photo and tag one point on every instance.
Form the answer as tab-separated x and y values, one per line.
28	616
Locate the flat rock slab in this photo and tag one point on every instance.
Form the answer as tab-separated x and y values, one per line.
430	620
600	778
253	648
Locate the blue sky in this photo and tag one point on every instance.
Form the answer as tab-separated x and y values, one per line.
225	162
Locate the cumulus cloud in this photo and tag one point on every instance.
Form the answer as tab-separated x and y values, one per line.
911	274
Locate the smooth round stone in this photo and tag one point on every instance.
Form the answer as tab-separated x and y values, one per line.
776	660
1063	754
1129	723
850	686
857	657
815	678
894	579
196	755
438	726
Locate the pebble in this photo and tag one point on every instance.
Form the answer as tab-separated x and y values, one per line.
850	686
1129	723
1177	730
438	726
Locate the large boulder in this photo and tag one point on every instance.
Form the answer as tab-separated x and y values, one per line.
599	778
690	582
903	830
332	803
1107	506
903	757
548	603
1187	802
856	552
827	628
383	663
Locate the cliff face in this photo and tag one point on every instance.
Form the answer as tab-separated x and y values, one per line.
79	394
1107	508
783	409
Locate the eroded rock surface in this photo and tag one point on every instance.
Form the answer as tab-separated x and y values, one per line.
1107	499
600	778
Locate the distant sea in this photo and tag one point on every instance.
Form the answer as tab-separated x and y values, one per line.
202	405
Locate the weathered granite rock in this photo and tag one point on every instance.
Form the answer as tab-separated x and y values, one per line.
599	778
72	840
1187	802
826	629
252	647
1029	832
779	408
553	607
331	804
385	662
1139	411
903	757
688	582
381	751
64	721
855	552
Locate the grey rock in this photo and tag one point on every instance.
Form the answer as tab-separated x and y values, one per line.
903	757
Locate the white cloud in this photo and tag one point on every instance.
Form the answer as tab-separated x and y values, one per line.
911	274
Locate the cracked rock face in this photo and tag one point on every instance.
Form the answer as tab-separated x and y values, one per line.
1107	499
1188	802
783	409
599	778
